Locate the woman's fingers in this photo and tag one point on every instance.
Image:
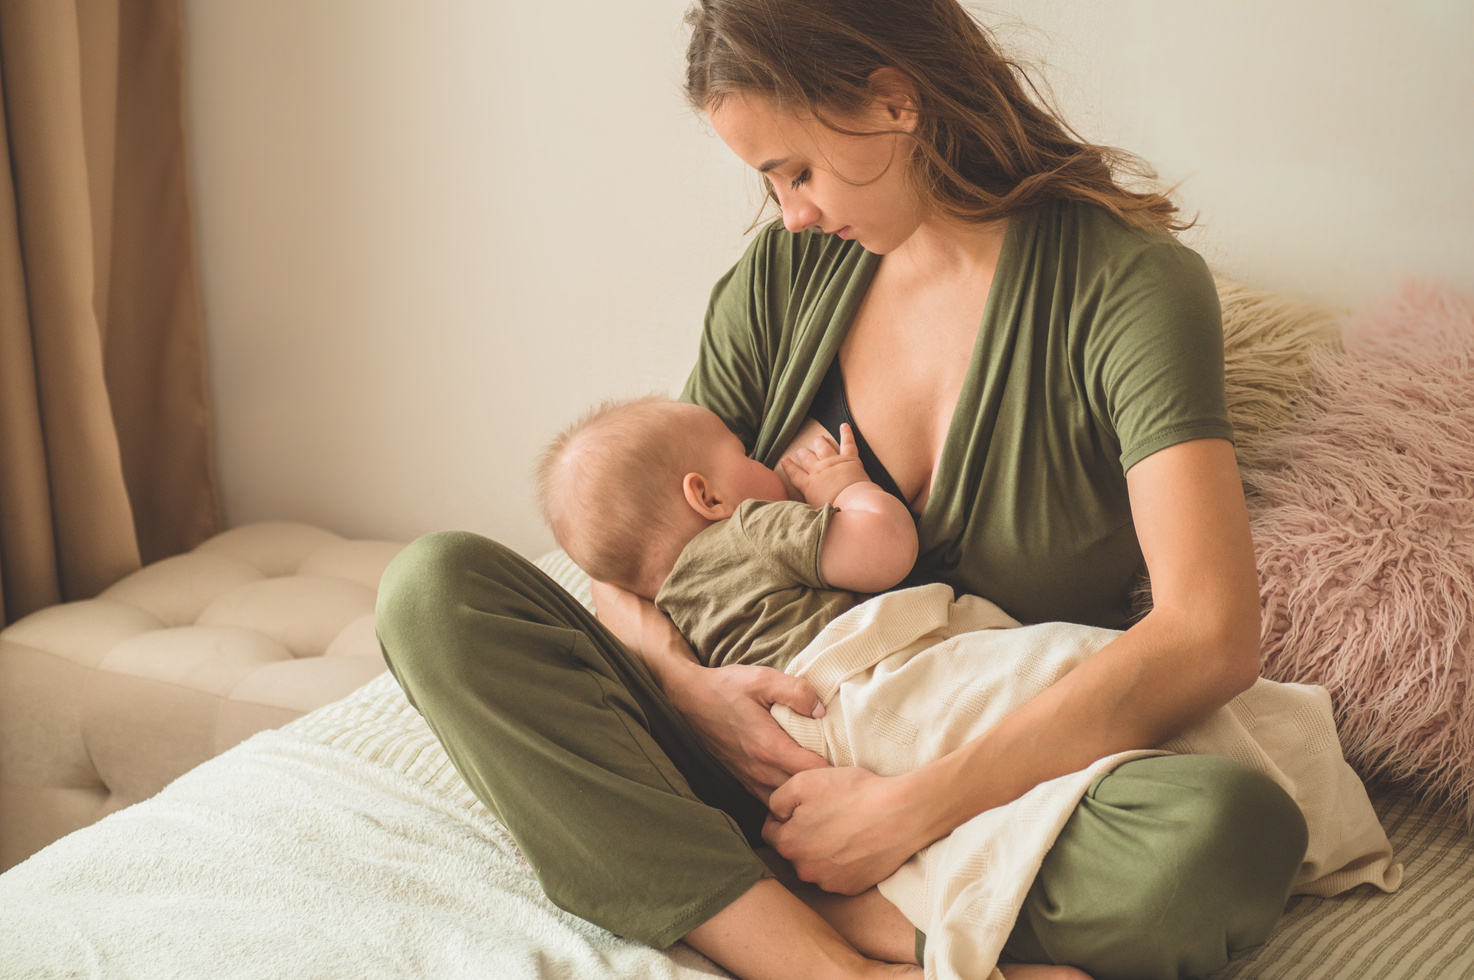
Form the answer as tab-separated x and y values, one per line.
728	707
795	693
843	828
777	758
760	779
777	750
781	805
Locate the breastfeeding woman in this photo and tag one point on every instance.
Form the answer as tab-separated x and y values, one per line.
1033	363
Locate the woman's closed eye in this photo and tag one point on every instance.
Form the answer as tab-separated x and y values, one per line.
799	181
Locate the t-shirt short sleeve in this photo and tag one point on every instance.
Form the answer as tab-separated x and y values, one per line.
788	535
1154	354
733	364
747	590
775	320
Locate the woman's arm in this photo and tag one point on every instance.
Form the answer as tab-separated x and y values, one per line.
1197	649
728	707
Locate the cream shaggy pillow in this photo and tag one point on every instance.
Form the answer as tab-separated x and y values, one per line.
1267	340
1363	519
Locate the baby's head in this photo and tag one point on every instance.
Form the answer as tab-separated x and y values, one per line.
629	484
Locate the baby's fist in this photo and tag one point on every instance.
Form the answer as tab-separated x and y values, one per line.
823	472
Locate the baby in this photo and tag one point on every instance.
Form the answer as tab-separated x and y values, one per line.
659	498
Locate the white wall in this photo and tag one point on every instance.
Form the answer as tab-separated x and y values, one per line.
1328	145
433	230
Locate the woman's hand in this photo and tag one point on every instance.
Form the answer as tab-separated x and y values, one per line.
844	829
728	707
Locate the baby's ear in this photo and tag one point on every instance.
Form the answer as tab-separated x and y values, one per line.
703	498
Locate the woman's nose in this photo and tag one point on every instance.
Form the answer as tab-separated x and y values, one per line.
798	213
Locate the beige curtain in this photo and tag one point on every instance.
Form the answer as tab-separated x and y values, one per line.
105	458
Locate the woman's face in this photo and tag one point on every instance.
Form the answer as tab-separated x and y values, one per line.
851	186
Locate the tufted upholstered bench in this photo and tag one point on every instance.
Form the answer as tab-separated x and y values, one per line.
106	700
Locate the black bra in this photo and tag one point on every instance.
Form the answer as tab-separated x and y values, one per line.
830	408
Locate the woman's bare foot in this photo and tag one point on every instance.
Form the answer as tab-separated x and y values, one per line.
769	934
1037	971
878	930
868	920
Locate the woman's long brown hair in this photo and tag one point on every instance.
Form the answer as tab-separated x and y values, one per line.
986	146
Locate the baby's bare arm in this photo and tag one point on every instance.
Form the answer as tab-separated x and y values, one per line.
871	542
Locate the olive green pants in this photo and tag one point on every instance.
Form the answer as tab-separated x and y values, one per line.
1168	868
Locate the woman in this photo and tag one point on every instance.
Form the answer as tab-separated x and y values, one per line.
1035	365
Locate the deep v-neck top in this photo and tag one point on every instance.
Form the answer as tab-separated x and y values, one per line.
831	408
1099	345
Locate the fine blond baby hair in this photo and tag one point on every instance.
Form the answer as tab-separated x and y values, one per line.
609	485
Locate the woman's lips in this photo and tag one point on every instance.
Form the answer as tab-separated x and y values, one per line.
845	233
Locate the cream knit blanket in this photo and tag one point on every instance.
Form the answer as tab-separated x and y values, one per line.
911	675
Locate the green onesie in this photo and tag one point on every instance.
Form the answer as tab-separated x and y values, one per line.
748	590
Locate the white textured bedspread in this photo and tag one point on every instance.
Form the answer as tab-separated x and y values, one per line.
346	845
291	857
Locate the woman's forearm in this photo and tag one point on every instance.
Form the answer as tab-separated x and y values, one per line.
1196	649
645	630
1152	681
846	829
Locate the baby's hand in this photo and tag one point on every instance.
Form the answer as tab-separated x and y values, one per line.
821	473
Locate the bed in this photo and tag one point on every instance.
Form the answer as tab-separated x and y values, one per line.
345	844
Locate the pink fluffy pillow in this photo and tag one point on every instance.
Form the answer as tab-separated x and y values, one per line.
1363	522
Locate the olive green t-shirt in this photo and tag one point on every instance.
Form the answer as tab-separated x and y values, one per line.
748	589
1100	344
